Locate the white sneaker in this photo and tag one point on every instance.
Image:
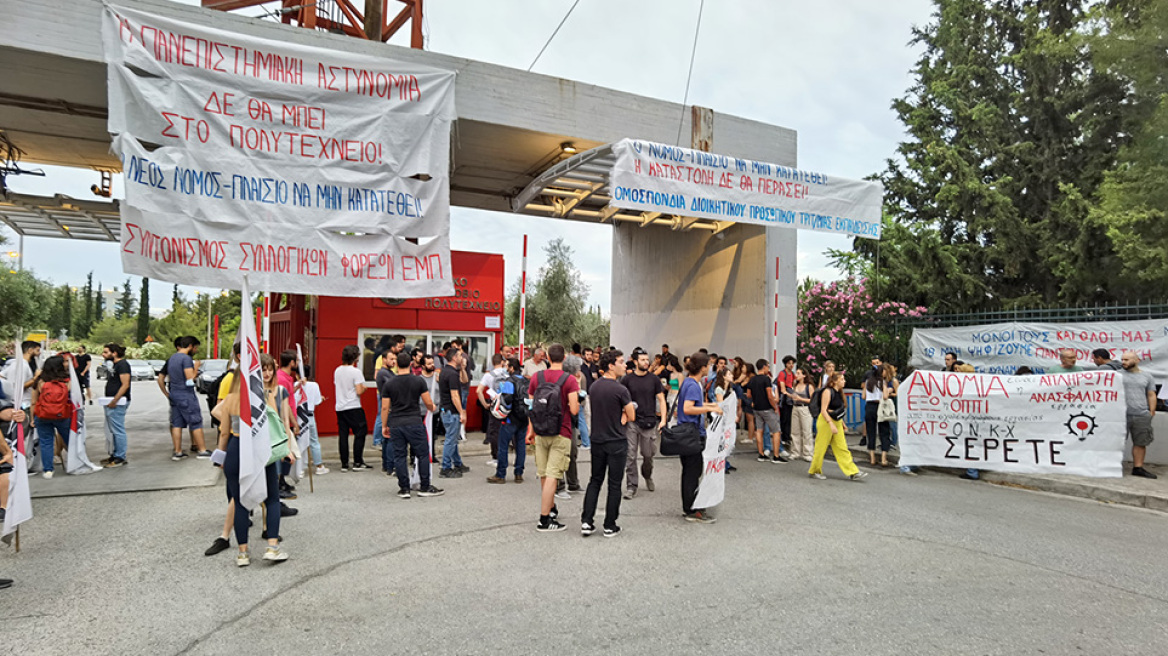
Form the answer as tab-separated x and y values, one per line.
563	494
492	463
859	475
275	554
47	475
321	470
806	458
819	477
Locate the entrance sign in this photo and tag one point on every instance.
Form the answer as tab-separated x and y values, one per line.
1050	424
673	180
307	169
719	443
1001	348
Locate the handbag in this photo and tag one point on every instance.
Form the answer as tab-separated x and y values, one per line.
886	411
681	439
278	435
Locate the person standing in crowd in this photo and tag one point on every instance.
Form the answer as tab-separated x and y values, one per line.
648	395
1066	365
402	398
891	388
745	404
53	409
384	372
487	390
553	449
612	409
513	429
349	383
972	473
693	409
950	362
1140	391
453	413
1102	359
785	381
117	390
583	376
832	409
802	439
29	351
311	391
8	416
874	393
177	382
828	370
429	375
721	386
537	363
571	482
762	395
229	442
82	361
286	379
667	365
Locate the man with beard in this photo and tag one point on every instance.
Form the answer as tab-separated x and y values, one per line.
648	395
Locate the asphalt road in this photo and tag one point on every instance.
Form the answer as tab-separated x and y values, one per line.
892	565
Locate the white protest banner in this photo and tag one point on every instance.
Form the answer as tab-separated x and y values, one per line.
19	496
673	180
1001	348
305	168
76	459
719	443
1050	424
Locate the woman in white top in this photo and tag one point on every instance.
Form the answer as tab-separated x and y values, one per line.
873	395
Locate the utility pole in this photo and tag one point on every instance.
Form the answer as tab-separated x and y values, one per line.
373	19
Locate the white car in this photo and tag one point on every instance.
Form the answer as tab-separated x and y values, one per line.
141	370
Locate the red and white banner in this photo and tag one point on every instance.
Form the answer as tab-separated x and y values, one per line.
76	459
720	435
305	168
255	446
1050	424
19	497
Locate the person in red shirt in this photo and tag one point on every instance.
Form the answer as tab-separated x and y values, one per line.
552	452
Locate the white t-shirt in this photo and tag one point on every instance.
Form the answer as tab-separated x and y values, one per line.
489	380
530	368
346	379
877	393
312	393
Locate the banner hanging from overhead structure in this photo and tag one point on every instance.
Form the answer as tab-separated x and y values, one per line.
310	170
1052	424
655	177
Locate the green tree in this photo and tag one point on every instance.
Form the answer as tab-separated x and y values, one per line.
143	312
124	307
555	303
183	319
67	295
176	298
21	304
85	320
99	308
112	329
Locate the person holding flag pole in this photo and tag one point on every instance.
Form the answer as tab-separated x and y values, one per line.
76	459
246	436
18	506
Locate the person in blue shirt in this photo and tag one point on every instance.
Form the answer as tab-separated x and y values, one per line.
692	408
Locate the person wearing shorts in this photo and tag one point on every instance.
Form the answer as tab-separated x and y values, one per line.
177	381
553	453
1140	392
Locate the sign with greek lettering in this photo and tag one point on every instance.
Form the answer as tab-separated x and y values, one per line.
309	170
657	178
1001	348
720	435
1049	424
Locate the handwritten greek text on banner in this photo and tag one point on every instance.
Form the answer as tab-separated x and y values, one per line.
310	170
1001	348
672	180
1050	424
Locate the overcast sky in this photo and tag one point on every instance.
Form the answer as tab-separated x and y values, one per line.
828	70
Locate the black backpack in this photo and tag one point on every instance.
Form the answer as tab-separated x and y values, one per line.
519	399
547	405
816	402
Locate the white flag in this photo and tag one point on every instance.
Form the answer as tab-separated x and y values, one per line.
76	460
255	446
303	418
19	499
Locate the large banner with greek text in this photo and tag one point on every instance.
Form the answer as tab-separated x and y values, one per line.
654	177
1049	424
1001	348
310	170
720	435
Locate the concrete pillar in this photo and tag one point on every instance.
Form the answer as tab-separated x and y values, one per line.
695	289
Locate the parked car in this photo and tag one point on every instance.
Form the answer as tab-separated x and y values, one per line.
209	372
158	365
102	371
141	370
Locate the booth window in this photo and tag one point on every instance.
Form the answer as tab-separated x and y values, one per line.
375	342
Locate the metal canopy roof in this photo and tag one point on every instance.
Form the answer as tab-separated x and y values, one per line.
61	216
578	188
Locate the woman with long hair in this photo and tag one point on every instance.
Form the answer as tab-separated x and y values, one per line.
745	373
802	439
832	408
53	409
692	409
275	397
891	387
874	388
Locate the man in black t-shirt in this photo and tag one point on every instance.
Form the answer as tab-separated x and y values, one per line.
402	398
766	410
669	364
117	390
648	396
612	408
82	362
453	410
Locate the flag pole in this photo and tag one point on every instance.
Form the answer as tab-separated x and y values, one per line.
523	302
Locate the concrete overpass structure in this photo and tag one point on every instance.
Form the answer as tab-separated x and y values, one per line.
726	287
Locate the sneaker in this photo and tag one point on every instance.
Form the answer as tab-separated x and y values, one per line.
47	475
858	475
403	493
115	462
449	473
551	527
218	546
563	494
587	529
287	494
574	488
554	513
763	458
785	453
2	514
819	477
106	461
519	478
178	456
780	458
701	517
361	466
321	470
203	455
242	559
431	492
630	492
1142	473
345	469
463	468
649	484
495	479
275	554
585	447
287	486
907	471
287	511
492	463
806	458
612	532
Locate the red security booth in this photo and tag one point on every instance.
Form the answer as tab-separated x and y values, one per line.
324	325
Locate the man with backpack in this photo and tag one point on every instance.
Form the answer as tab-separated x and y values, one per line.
554	401
512	397
487	392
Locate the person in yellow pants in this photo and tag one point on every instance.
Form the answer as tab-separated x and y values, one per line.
831	432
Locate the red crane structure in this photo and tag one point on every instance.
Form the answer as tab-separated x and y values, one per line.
340	16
